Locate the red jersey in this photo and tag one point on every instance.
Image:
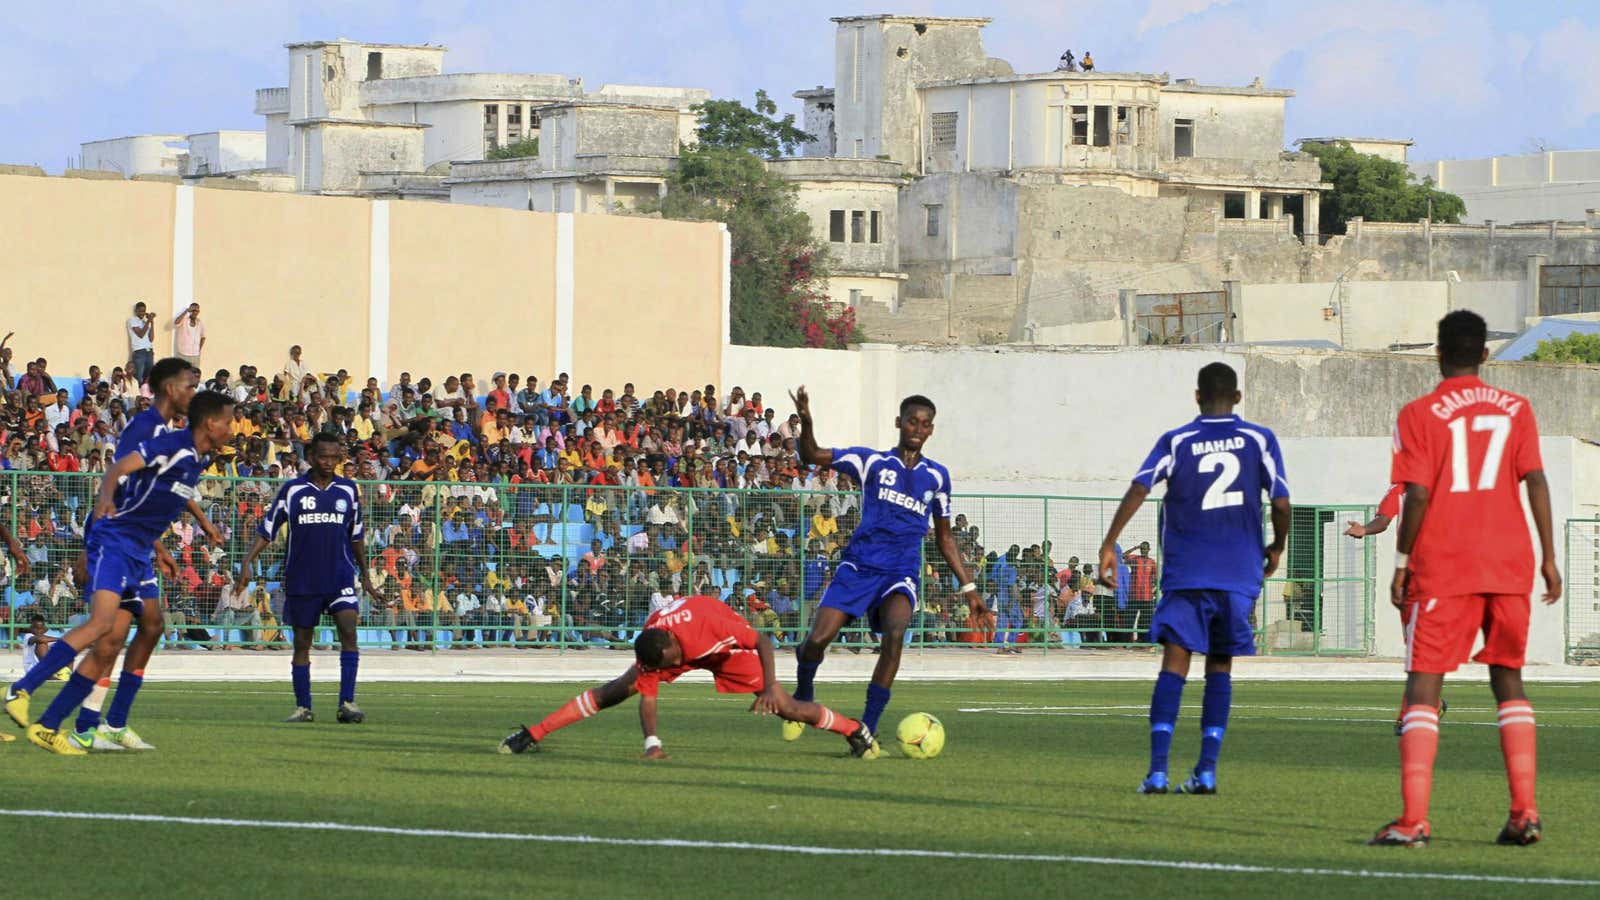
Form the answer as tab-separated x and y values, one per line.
1389	506
1470	445
1143	587
713	637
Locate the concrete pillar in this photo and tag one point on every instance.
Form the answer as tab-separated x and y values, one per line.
1128	303
1252	204
1274	206
1235	326
1311	224
611	195
1528	297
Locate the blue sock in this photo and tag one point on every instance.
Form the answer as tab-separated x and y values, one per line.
805	674
877	699
1164	703
78	687
58	657
122	702
348	661
1214	719
301	676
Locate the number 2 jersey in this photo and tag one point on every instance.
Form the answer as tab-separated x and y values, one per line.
1470	445
1217	469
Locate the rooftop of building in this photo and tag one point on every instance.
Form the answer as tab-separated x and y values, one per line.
132	137
338	42
1142	77
979	21
1403	142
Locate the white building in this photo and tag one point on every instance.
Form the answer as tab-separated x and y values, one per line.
1392	149
226	152
140	154
1560	185
854	205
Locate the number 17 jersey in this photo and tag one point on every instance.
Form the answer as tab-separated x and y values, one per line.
1470	445
1217	469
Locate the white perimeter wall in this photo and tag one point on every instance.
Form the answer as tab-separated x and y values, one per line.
1370	315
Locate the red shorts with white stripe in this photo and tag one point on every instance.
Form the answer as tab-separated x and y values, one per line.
1440	631
738	673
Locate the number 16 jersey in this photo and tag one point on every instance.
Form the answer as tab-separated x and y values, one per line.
1217	469
1470	445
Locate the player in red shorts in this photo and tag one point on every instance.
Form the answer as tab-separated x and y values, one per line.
695	633
1464	564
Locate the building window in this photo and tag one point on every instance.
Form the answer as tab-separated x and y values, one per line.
491	127
1182	138
859	146
836	226
858	226
491	115
1080	126
877	227
1124	129
513	122
855	298
933	211
374	66
943	127
1102	126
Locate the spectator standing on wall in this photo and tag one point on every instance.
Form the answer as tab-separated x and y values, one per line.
189	335
141	348
8	373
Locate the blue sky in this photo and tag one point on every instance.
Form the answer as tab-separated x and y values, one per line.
1461	78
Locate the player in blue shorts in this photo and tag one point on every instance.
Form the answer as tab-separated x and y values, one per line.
1217	469
142	494
325	555
903	494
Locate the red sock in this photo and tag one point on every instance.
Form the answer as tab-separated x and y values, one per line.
1419	744
1517	744
579	707
832	721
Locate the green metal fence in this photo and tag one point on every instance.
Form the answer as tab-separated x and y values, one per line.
521	566
1583	590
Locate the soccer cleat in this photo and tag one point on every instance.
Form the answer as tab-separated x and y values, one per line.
6	738
1396	835
54	741
1199	783
793	730
519	741
301	714
123	737
350	714
17	707
862	744
1154	783
1520	834
62	674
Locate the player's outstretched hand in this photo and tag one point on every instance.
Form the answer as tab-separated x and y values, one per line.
1397	588
1356	529
1552	581
802	402
766	703
655	753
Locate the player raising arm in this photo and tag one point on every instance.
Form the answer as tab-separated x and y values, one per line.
694	633
1464	564
1218	468
1388	511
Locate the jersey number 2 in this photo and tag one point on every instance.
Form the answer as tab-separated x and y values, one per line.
1499	428
1218	496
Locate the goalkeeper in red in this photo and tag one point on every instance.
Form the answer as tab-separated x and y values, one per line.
693	633
1464	564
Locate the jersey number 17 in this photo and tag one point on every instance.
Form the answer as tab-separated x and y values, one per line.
1499	428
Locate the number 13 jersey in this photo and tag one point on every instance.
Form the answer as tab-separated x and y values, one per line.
1217	469
1470	445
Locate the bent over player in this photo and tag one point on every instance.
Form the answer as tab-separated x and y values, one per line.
903	494
694	633
1217	469
1464	564
325	554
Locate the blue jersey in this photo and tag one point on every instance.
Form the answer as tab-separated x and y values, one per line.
897	507
319	560
139	429
151	499
1217	469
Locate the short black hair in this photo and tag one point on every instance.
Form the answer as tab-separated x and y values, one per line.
1217	381
917	400
36	619
208	405
1462	335
324	437
166	370
651	645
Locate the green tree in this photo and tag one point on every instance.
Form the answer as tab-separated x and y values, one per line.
516	149
1376	189
1574	348
778	268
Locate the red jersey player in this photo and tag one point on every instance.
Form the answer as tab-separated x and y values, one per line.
1464	563
695	633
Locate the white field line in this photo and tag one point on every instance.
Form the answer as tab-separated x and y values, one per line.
787	849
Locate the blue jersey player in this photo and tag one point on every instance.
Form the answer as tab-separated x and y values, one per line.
1217	469
325	556
903	494
142	494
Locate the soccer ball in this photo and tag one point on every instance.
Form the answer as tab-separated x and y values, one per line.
921	736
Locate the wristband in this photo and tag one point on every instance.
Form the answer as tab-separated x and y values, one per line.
1401	560
968	588
652	743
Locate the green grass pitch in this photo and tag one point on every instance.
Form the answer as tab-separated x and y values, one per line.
1042	769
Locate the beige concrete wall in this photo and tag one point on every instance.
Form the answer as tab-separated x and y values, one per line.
1369	315
647	302
272	270
74	257
472	289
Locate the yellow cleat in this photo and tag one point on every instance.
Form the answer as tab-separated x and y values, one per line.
54	741
793	730
62	674
6	738
17	707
